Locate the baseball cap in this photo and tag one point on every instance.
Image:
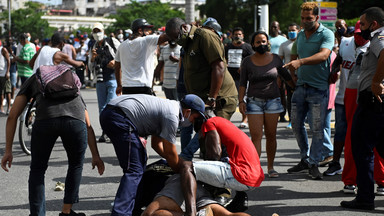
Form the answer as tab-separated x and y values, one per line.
357	27
98	26
194	102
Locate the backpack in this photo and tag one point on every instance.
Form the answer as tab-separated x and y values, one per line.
57	81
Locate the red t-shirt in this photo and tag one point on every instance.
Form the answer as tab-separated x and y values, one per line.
243	157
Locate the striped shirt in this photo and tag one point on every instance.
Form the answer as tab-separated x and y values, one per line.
26	53
170	67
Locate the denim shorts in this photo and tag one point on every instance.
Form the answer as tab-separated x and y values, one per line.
261	106
218	174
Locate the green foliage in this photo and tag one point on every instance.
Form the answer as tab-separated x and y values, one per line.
28	20
240	13
155	13
352	22
350	9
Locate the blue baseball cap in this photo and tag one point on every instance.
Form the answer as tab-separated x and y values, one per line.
194	102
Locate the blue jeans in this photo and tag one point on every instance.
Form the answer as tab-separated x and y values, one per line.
189	150
73	133
314	103
105	91
131	154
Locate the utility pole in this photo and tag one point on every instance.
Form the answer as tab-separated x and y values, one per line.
189	11
9	18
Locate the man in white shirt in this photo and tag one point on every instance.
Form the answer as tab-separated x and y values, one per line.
134	59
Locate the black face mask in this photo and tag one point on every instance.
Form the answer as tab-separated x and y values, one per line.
261	49
366	34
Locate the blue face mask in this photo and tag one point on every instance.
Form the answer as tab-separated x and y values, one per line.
292	35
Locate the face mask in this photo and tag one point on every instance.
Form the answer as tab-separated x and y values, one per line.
261	49
292	35
98	36
341	31
366	34
120	36
238	40
359	40
185	122
29	38
308	26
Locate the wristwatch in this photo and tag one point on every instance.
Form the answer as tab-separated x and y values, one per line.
211	99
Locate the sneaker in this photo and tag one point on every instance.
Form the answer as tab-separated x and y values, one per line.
104	138
289	126
349	189
380	190
326	161
315	173
354	204
333	169
301	167
72	213
239	203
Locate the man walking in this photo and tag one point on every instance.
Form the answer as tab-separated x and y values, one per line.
314	46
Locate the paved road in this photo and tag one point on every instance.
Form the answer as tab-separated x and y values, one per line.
286	195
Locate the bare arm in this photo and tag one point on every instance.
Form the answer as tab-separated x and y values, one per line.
62	57
32	61
96	160
6	56
317	58
212	145
119	89
74	53
242	105
166	150
17	108
377	87
158	69
217	78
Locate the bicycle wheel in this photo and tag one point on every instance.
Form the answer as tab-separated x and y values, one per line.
25	132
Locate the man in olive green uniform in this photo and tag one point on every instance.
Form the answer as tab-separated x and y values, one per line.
205	71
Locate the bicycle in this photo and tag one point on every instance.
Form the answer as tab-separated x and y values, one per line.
26	121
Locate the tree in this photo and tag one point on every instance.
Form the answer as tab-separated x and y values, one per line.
29	20
240	13
155	13
349	9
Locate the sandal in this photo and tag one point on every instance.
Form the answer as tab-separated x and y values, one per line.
243	125
273	173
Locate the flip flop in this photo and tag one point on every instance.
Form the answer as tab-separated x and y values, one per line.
273	173
243	125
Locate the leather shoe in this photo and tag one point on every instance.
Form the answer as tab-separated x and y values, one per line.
239	202
354	204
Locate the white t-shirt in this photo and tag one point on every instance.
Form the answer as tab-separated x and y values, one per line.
348	52
82	55
170	67
285	50
3	64
137	61
45	57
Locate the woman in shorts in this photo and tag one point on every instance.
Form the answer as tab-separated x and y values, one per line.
263	105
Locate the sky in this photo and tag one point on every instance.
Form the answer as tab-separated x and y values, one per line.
51	2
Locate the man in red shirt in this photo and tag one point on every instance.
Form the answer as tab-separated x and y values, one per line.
241	171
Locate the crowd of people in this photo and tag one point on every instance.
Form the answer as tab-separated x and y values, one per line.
206	75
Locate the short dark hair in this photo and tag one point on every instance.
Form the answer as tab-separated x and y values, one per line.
375	14
173	24
23	37
237	29
294	24
56	39
257	33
